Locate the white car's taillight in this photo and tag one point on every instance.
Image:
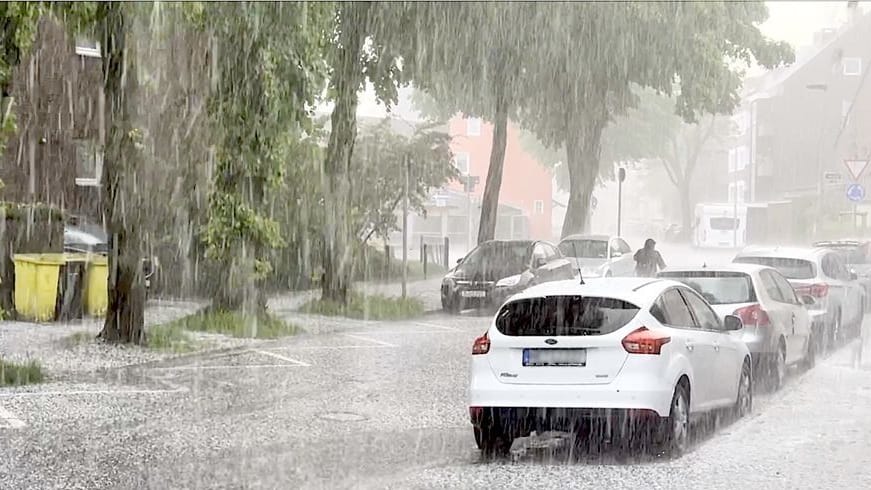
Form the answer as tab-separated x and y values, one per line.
645	341
481	345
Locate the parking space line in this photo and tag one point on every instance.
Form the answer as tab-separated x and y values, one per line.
228	366
25	394
365	339
396	332
11	420
435	325
282	358
323	347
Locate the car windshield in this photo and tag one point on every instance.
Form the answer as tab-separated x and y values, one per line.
564	315
789	267
585	249
718	288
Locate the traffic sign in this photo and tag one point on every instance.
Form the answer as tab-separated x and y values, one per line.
855	192
833	178
856	167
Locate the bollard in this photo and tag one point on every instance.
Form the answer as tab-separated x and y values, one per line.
387	261
425	260
447	253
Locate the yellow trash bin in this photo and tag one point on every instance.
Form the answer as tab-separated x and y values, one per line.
96	289
36	277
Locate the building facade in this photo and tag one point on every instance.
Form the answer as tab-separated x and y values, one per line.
799	126
56	154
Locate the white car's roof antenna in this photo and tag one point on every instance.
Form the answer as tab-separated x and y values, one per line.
578	264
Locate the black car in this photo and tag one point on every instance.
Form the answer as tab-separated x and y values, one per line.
497	269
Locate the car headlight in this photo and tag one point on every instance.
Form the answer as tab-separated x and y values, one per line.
509	281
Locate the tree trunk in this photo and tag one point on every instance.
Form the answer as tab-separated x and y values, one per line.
126	287
490	202
583	151
686	211
347	78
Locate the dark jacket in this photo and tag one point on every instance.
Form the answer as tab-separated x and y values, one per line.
648	262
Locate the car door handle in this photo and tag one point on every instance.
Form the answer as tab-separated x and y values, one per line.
690	346
716	347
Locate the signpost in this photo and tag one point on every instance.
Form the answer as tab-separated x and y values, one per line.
855	191
833	178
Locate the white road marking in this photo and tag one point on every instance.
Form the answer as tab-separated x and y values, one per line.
11	421
435	325
25	394
398	332
228	366
282	358
320	347
366	339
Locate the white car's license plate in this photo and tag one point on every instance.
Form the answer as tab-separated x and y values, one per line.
473	294
554	357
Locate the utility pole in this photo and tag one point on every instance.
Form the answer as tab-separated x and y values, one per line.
621	176
405	230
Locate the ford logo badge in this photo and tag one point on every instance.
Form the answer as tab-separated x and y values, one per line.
550	341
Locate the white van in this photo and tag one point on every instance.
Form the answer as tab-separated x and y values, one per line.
719	226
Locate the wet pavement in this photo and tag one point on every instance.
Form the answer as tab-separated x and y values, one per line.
383	405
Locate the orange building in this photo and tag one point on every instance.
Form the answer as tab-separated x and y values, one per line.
526	191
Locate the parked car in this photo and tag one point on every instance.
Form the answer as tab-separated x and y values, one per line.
497	269
599	255
820	273
857	257
92	239
777	325
631	349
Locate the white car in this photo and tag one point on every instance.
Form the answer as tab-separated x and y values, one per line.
777	323
599	255
820	273
648	352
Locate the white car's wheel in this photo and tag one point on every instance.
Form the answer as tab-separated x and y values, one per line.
675	430
744	403
777	368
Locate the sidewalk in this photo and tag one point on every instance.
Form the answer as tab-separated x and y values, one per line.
49	343
425	290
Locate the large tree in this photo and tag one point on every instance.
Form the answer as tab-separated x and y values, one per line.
364	47
689	49
268	70
472	58
122	201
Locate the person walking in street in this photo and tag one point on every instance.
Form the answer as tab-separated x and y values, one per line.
648	260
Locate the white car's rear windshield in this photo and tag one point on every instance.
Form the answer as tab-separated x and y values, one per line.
719	288
564	315
790	268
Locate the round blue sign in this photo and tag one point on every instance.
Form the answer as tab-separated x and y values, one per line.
855	192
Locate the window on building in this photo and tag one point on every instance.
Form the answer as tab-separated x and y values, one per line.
461	161
538	205
473	126
732	192
852	67
87	47
89	163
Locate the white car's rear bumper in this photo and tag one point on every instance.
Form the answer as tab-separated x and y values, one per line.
636	387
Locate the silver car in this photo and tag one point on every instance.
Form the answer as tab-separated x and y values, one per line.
777	322
599	255
820	273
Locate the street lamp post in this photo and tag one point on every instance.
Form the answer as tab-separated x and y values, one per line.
822	87
621	176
